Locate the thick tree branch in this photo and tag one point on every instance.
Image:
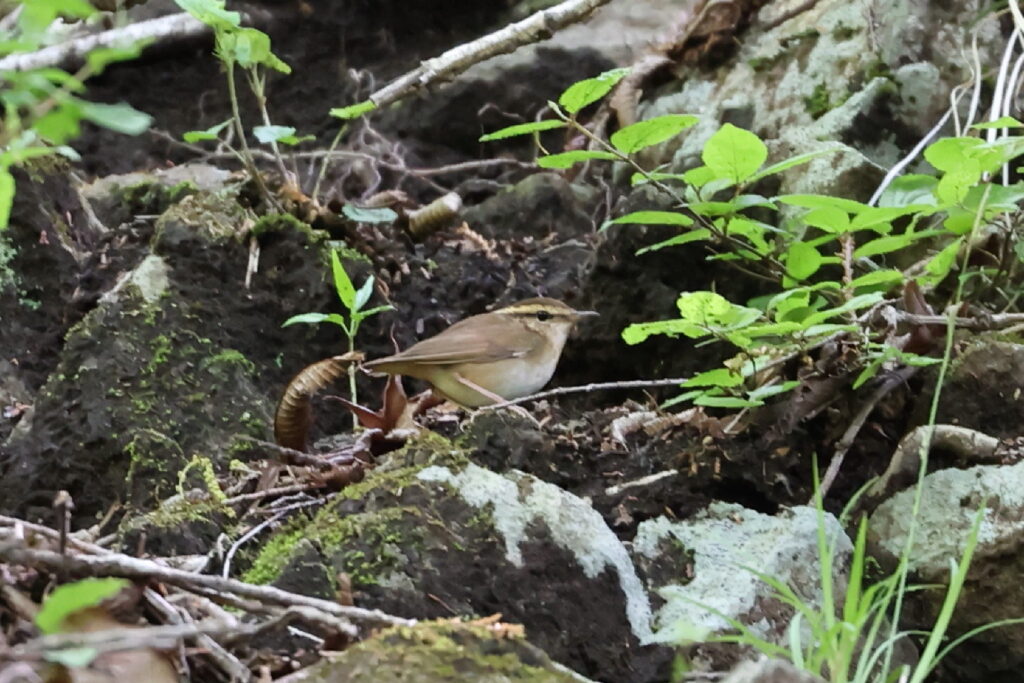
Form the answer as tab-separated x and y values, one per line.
173	26
535	28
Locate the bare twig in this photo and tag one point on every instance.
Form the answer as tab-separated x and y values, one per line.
268	493
227	662
786	16
985	322
174	26
642	481
537	27
135	638
846	442
587	388
226	571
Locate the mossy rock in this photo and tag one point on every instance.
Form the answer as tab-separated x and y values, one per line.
429	534
438	651
136	395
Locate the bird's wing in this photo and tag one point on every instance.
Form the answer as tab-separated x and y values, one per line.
453	346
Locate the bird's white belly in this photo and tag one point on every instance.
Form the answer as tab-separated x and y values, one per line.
509	379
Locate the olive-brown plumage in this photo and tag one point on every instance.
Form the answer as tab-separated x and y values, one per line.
487	358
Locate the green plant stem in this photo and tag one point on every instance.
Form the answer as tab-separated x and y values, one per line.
257	85
352	378
236	117
903	569
325	161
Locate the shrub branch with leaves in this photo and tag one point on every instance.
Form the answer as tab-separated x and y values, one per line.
824	254
43	108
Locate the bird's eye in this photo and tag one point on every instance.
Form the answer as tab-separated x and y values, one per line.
543	315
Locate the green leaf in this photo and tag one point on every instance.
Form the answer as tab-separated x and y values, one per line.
890	243
734	153
73	657
267	134
37	15
789	163
752	231
828	218
98	59
770	390
643	134
720	377
522	129
342	284
699	176
710	401
815	201
364	294
912	189
211	13
691	236
567	159
802	260
639	332
878	277
59	125
353	111
773	329
120	118
856	303
874	217
955	184
654	218
211	133
72	597
582	93
375	310
6	196
311	318
1001	122
948	154
940	264
249	48
704	307
366	215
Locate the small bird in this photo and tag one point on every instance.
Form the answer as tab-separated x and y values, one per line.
491	357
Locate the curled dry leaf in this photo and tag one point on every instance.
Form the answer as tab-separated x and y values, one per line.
294	416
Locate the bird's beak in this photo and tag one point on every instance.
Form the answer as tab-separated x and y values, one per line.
586	314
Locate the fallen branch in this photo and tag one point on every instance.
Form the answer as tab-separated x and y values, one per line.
174	26
969	444
137	638
113	564
535	28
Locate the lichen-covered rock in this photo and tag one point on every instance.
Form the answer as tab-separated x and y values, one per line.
950	501
832	73
703	568
441	652
429	534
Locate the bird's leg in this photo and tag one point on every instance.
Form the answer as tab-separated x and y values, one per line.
494	397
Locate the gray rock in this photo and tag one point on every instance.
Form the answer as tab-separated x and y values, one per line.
769	671
950	501
722	548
